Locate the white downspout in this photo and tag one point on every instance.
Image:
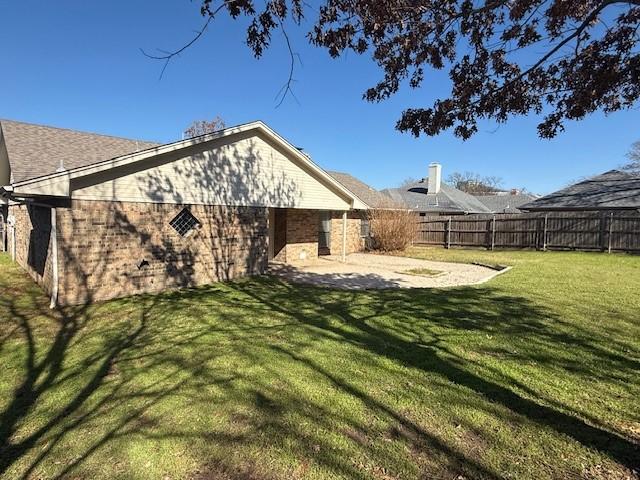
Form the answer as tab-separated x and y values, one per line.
344	236
54	259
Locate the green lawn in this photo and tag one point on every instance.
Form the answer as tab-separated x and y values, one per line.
533	375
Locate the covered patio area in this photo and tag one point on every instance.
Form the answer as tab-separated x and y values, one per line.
299	236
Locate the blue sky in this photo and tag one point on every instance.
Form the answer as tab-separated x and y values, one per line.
77	64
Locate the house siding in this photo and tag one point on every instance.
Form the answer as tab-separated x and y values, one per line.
114	249
244	170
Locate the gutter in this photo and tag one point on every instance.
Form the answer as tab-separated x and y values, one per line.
6	191
54	258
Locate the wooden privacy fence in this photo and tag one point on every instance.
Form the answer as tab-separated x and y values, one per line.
603	231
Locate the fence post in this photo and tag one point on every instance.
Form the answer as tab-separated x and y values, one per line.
493	232
610	231
603	229
544	233
448	233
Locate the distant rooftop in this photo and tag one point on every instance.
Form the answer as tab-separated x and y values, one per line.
505	203
612	190
447	200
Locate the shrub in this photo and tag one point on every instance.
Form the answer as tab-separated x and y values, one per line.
392	229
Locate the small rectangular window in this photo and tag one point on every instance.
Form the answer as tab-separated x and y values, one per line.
184	222
365	229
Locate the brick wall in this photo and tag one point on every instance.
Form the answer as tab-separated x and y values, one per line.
114	249
302	237
355	243
33	242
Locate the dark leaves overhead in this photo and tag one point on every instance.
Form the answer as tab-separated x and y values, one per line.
562	59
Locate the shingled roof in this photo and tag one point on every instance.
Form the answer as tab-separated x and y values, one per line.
369	195
447	200
505	203
37	150
612	190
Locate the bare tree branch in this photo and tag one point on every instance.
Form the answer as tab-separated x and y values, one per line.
167	56
286	88
170	55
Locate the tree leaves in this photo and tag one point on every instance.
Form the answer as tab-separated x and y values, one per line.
505	57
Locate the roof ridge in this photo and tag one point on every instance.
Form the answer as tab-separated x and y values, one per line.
84	132
348	175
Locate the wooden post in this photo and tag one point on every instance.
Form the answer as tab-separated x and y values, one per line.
448	233
493	232
544	233
602	230
610	231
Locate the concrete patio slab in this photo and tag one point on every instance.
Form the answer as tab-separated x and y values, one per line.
363	271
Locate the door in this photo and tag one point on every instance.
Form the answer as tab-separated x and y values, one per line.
324	233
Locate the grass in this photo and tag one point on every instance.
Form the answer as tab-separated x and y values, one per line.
533	375
422	272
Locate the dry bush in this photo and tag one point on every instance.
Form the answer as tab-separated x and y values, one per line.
392	229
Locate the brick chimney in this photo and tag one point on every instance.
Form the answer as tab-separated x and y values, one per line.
435	178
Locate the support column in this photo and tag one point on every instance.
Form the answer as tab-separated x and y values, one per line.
344	236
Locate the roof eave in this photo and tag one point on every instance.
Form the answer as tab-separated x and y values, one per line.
574	209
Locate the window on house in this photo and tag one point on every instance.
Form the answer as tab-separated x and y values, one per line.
365	228
184	222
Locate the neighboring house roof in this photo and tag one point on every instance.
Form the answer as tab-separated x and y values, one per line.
37	150
447	200
612	190
369	195
506	203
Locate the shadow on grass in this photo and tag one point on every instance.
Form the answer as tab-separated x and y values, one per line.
463	308
409	327
48	336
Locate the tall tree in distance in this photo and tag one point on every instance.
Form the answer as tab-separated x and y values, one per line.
407	182
634	158
560	59
202	127
474	183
